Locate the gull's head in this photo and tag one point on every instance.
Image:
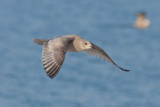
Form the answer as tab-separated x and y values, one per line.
141	16
85	44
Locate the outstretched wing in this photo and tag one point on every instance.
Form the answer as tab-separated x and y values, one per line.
98	52
53	55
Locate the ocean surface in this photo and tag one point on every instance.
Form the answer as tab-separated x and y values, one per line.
83	81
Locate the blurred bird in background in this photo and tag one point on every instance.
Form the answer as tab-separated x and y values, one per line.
141	21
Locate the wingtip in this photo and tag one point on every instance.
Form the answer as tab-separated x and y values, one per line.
51	77
124	69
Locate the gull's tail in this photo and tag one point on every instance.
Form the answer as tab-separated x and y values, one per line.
39	41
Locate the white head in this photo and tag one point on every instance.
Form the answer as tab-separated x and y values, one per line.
82	44
86	44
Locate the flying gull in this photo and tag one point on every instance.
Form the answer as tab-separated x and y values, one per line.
54	51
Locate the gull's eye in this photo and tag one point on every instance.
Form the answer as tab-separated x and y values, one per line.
85	43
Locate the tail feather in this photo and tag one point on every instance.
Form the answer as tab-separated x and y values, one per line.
39	41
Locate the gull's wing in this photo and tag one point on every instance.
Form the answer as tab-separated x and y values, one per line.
98	52
53	55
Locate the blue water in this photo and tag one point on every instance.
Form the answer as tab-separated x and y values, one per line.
83	81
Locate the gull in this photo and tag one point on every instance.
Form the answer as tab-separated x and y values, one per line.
141	21
54	51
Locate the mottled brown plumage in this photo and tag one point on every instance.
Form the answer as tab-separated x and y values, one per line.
54	51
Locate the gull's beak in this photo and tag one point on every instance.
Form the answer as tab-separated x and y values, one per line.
92	47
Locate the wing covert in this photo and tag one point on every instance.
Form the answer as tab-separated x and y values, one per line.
53	55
